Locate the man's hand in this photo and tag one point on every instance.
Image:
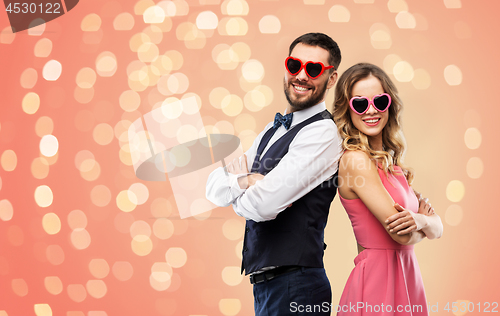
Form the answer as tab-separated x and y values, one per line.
253	178
239	166
405	221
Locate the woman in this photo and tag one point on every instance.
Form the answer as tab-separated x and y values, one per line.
374	190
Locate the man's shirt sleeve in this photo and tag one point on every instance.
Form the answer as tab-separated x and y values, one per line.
312	158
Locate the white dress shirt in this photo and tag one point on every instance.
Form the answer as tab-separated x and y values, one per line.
312	158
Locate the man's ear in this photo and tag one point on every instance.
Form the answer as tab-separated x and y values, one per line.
332	79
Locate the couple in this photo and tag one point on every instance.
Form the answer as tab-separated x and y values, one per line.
285	183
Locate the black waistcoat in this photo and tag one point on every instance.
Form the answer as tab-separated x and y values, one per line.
295	237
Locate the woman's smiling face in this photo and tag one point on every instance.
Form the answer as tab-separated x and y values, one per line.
372	122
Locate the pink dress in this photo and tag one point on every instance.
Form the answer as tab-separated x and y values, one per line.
386	278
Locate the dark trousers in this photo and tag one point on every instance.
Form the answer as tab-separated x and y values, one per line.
305	291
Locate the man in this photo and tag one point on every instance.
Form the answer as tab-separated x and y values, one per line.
287	210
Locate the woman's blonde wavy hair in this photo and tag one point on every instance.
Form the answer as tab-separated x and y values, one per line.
393	140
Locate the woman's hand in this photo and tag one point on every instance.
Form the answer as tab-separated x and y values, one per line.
424	207
405	221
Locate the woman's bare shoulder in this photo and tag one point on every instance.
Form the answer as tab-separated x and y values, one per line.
355	161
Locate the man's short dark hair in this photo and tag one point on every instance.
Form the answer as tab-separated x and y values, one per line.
322	40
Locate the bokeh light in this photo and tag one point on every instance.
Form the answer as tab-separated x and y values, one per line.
232	276
176	257
154	14
49	145
51	223
29	78
43	310
475	167
124	202
455	191
86	78
142	245
40	168
472	138
8	160
123	22
6	210
122	270
232	105
37	27
103	134
207	20
99	268
252	70
44	126
96	288
230	306
233	27
6	35
163	228
106	64
338	13
31	103
43	48
91	23
43	196
80	238
76	292
452	4
454	215
233	229
55	254
53	285
421	79
453	75
403	71
100	195
405	20
77	219
52	70
396	6
380	36
269	24
234	7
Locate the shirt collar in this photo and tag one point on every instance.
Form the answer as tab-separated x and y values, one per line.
302	115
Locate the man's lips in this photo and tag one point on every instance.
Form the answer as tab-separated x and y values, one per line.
300	88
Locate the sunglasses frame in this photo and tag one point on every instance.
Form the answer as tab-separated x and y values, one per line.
304	66
370	102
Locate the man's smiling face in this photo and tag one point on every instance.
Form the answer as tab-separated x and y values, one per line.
301	91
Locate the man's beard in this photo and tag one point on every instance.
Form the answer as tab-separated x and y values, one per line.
312	100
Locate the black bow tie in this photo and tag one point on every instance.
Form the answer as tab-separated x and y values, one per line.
285	120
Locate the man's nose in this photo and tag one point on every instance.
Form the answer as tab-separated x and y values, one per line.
302	76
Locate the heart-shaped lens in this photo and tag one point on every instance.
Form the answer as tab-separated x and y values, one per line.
381	102
293	65
360	105
314	69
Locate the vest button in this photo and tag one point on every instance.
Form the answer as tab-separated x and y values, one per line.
245	249
247	229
